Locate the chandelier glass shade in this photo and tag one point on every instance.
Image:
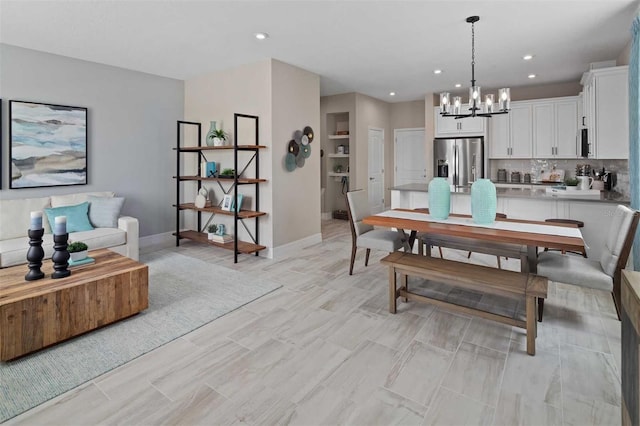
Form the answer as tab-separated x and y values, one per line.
453	106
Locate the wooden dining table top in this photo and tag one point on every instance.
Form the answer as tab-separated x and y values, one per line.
530	239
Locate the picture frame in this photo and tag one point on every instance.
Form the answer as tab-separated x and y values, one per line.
48	145
227	202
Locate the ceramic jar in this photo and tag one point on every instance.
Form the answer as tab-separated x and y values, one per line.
439	198
484	201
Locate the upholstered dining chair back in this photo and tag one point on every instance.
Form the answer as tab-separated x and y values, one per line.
604	274
619	234
365	236
358	204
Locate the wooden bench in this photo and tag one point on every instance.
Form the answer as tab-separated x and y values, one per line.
474	277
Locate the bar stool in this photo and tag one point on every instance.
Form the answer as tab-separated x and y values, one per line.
578	223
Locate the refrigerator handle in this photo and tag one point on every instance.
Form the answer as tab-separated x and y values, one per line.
456	173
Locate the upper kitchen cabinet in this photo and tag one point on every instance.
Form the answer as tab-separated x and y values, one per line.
450	127
520	122
555	128
606	111
510	134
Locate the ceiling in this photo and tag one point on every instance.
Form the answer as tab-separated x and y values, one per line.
371	47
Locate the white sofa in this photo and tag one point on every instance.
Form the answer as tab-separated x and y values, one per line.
15	221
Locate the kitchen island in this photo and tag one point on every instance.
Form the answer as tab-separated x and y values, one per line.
532	203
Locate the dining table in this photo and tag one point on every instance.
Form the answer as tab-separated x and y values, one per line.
528	233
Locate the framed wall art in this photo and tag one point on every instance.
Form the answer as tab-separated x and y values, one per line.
48	145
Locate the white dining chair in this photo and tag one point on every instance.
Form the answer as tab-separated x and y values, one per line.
604	274
365	236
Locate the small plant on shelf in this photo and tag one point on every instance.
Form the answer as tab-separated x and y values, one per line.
211	230
228	173
219	137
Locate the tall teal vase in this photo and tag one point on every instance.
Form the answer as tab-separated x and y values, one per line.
439	198
484	201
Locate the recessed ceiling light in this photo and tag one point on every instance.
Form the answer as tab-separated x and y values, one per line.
531	76
392	93
458	85
262	36
437	71
527	57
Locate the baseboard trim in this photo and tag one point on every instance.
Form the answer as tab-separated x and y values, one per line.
292	248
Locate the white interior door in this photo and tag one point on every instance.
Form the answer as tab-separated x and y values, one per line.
376	170
410	157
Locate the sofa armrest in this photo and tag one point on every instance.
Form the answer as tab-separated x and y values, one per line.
130	226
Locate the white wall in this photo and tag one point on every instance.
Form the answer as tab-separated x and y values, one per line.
131	128
296	195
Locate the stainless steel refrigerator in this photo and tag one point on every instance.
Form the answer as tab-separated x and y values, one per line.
461	160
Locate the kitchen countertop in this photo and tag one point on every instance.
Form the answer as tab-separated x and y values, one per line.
605	196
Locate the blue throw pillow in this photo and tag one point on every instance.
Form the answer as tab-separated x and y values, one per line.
77	217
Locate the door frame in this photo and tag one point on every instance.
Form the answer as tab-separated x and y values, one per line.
395	151
369	128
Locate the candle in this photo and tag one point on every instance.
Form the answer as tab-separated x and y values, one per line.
36	221
60	227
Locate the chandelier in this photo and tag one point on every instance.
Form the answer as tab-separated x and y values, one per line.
453	108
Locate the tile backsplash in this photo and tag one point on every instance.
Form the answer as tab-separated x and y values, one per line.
621	167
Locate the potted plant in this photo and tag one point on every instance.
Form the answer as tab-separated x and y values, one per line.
77	250
211	230
227	173
219	137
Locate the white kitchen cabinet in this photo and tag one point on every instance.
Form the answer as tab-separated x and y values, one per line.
520	131
606	111
450	127
498	136
510	135
555	128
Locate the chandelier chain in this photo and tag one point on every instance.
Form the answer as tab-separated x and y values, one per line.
473	54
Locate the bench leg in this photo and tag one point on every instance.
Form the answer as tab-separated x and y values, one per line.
531	325
540	308
392	289
420	247
405	283
366	258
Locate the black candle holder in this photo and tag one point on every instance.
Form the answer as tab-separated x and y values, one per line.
35	254
60	256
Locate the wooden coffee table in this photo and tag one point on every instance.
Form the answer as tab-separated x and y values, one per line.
36	314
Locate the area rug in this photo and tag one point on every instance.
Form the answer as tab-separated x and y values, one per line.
184	294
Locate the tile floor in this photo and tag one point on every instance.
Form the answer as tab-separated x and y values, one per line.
324	350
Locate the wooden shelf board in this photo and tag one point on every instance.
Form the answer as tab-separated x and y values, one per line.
338	136
243	246
337	174
213	148
338	155
242	214
240	180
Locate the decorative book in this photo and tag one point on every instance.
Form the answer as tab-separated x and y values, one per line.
221	238
85	261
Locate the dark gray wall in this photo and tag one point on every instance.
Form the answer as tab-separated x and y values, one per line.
132	126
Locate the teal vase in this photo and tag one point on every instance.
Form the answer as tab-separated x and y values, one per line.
439	198
211	134
484	201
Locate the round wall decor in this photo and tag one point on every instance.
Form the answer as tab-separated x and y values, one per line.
299	148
